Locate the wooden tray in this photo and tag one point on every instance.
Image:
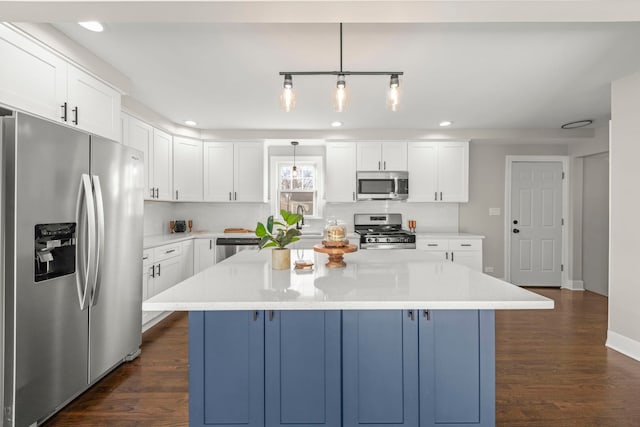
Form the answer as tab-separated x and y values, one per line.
336	255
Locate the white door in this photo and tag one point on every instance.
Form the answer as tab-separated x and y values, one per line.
204	254
93	106
369	156
394	156
187	169
423	171
218	171
248	172
453	167
162	165
340	178
536	223
139	135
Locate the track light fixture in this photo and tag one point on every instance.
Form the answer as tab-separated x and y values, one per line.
287	98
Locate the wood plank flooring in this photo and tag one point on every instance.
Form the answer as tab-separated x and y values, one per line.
552	370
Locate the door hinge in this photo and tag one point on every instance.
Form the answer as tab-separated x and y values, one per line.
561	267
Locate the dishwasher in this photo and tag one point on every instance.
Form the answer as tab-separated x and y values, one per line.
228	246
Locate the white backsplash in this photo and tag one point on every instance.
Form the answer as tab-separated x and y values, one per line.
215	217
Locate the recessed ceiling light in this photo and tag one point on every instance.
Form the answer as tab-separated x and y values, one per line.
578	124
190	123
336	124
446	123
94	26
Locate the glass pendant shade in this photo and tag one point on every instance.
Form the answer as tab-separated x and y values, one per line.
288	96
340	97
393	94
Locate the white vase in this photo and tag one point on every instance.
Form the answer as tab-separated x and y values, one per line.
281	258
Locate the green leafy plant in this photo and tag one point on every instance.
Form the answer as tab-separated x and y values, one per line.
282	235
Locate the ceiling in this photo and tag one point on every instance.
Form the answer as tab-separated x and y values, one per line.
478	75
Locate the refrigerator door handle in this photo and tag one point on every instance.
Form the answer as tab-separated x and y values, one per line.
84	251
97	189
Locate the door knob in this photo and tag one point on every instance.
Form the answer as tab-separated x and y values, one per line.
515	230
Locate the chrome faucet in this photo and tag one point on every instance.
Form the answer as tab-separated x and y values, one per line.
300	211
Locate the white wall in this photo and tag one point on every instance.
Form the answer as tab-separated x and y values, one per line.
624	207
595	224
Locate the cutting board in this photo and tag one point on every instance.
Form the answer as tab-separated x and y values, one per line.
237	230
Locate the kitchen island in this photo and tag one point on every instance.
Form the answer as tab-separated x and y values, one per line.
397	338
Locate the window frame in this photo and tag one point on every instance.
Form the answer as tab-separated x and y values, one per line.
274	182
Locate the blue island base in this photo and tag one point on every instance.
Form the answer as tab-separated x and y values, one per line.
376	368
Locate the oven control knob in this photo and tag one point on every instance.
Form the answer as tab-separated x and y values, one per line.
388	240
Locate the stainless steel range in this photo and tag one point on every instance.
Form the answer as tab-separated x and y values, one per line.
383	231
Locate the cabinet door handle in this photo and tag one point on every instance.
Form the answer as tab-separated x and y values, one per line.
385	165
210	244
153	271
441	195
75	116
152	193
411	315
230	195
451	256
255	315
435	196
157	193
176	194
235	196
158	270
379	166
271	314
64	112
354	196
446	255
427	314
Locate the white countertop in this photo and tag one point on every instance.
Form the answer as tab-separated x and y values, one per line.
449	235
392	279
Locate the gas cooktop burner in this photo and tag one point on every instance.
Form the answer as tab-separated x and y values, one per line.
383	231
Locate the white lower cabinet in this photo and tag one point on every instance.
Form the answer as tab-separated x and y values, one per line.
204	254
466	251
163	267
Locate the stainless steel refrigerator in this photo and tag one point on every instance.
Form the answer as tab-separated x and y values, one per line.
72	212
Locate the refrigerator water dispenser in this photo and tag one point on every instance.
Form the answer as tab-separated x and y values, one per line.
55	250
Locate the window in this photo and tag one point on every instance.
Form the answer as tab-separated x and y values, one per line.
300	190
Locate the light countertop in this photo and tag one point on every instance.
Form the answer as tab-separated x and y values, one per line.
394	279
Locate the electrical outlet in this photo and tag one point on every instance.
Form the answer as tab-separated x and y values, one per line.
488	269
494	211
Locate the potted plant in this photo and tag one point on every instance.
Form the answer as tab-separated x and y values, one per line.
279	238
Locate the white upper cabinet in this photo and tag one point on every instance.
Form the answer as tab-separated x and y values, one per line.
340	181
92	105
382	156
162	157
233	172
36	80
32	78
438	171
139	135
187	169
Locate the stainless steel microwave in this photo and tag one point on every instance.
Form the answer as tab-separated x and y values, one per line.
387	185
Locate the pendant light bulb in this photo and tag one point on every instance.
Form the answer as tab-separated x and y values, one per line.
340	100
393	95
288	96
294	169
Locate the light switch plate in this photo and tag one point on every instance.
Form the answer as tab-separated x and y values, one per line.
494	211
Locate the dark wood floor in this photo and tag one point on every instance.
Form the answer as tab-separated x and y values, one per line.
552	369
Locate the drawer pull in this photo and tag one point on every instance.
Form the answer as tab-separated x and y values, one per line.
432	244
169	251
465	244
145	257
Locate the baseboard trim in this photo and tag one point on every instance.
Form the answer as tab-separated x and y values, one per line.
151	323
573	285
623	344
